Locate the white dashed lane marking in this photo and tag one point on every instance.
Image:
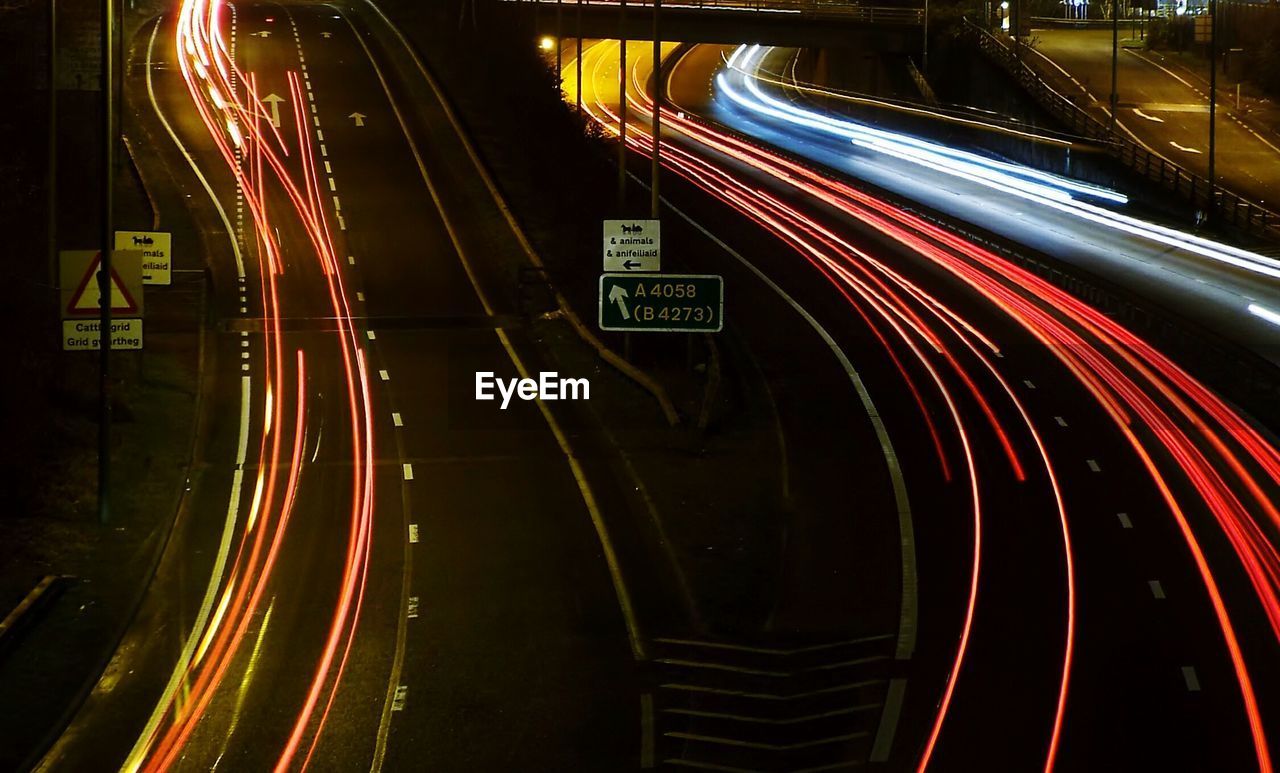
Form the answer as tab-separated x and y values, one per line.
1125	523
1189	676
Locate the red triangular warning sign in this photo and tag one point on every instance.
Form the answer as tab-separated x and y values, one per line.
87	297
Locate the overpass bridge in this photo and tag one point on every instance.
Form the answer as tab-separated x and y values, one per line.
883	28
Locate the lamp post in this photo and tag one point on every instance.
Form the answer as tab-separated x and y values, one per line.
1213	102
657	112
578	76
622	106
1115	58
924	54
51	223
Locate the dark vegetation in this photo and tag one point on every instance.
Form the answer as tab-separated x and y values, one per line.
40	407
542	154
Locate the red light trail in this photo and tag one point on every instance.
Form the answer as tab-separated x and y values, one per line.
1127	376
235	125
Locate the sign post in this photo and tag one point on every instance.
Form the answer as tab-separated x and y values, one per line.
666	303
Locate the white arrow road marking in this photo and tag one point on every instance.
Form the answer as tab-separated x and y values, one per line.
262	34
616	295
274	100
326	34
359	118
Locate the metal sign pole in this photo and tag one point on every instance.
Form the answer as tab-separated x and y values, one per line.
104	266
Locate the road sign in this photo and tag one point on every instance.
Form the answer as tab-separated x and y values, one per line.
156	256
667	303
632	245
79	283
81	335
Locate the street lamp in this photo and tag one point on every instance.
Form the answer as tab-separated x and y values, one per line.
1115	58
924	57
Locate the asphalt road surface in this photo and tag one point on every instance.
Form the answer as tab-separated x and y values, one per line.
1211	293
373	570
1167	110
1050	629
1021	511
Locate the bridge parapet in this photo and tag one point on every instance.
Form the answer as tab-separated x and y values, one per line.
812	9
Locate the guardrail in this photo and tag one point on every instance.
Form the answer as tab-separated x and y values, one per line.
39	596
812	9
1226	207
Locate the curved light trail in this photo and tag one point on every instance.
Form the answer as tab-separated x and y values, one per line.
264	166
1189	439
1042	188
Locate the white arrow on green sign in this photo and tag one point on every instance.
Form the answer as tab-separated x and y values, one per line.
662	303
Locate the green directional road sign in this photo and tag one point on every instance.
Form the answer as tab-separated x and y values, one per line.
662	303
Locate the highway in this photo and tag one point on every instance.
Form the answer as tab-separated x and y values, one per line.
372	566
1211	291
1095	528
1164	107
1010	534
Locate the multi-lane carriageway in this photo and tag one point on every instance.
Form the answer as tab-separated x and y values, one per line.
349	587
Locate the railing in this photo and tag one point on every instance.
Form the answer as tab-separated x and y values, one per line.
813	9
922	84
1226	207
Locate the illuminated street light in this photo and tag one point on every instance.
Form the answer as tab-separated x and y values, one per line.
546	43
